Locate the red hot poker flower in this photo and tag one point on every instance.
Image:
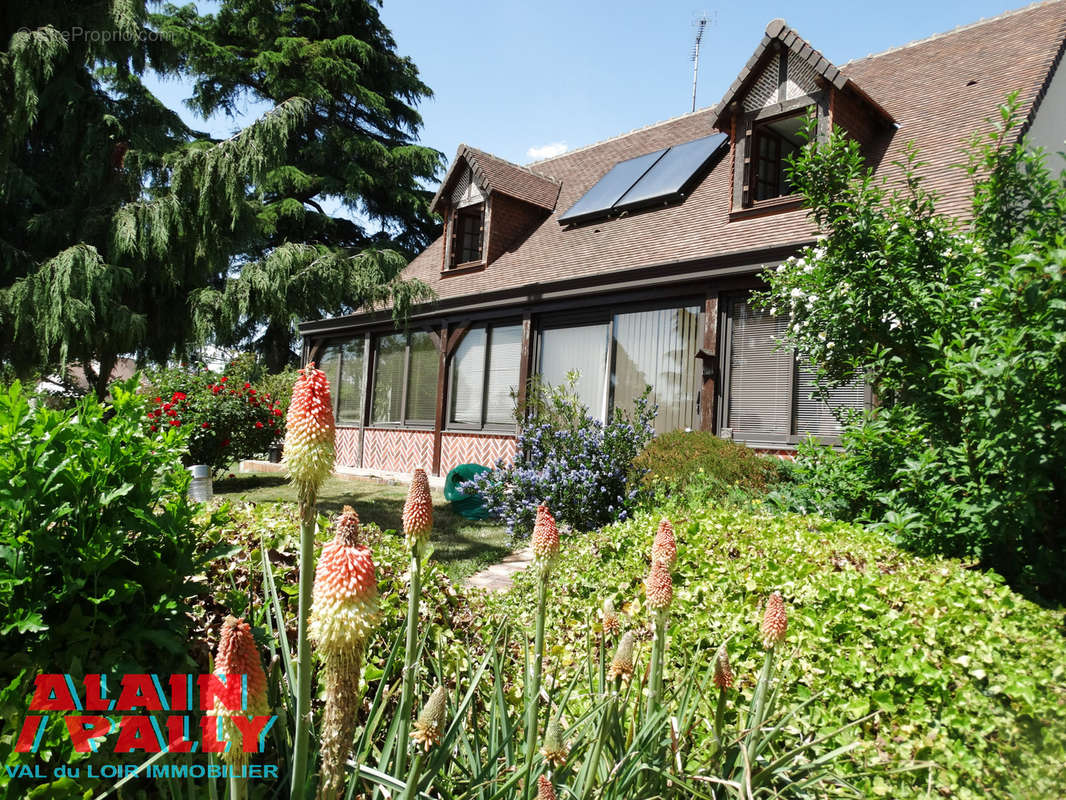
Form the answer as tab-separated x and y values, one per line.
774	621
417	510
665	546
238	656
545	539
310	432
659	587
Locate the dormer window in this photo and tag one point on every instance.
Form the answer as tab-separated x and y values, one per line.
773	142
466	246
469	235
478	189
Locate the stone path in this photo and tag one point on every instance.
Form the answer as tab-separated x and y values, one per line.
498	577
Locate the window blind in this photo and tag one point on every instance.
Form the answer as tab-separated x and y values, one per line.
658	348
505	355
329	362
388	379
350	385
582	348
422	379
760	373
468	379
815	416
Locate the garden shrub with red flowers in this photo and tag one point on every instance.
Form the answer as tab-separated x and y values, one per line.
226	416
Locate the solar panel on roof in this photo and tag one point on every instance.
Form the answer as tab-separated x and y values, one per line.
661	176
669	176
619	179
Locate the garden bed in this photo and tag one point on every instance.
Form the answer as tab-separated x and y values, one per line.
968	678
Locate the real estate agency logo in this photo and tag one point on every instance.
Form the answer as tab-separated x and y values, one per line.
149	716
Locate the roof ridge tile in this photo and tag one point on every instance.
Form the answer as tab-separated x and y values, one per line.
953	31
642	129
522	167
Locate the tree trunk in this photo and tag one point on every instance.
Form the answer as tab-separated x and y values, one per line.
103	375
276	347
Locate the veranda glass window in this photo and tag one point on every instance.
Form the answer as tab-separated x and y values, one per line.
422	379
658	348
760	375
581	348
484	372
405	379
343	363
330	363
769	394
812	414
349	387
505	355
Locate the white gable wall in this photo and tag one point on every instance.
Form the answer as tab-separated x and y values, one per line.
1049	124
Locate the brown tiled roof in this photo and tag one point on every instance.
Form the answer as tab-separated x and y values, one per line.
779	31
496	175
939	90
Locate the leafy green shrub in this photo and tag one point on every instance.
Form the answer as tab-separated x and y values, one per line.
959	328
97	549
227	418
968	677
566	459
676	459
97	535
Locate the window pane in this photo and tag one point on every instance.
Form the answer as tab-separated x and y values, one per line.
422	380
505	355
759	374
582	348
658	348
329	362
350	402
468	379
388	378
813	415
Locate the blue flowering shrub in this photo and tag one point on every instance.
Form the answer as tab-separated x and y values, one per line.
581	468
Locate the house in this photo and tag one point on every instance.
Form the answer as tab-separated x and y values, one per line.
631	260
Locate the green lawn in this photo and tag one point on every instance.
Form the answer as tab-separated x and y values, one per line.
461	546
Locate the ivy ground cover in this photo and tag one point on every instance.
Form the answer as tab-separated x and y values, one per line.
967	678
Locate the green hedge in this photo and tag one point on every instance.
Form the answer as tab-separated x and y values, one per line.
719	466
965	674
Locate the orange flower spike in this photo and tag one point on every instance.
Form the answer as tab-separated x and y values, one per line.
545	540
545	790
238	656
309	432
612	623
418	510
723	670
664	547
622	664
774	621
347	527
659	587
344	599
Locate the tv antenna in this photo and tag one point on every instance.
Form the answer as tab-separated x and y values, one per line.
700	24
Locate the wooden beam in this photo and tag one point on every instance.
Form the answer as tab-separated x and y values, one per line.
525	365
438	421
456	336
709	357
315	352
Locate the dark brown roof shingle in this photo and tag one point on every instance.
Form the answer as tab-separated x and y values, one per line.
494	174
